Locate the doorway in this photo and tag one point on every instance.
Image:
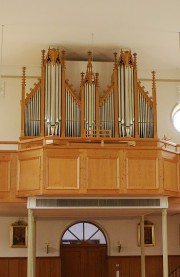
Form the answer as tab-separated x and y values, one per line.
83	251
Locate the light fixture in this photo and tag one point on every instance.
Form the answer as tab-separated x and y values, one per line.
47	247
2	82
119	246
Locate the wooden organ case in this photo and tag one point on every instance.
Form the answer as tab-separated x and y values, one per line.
53	108
89	142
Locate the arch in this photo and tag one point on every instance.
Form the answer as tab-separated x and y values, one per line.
83	232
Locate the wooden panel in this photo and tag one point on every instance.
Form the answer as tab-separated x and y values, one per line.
83	260
142	170
61	169
127	266
63	172
29	170
43	267
71	263
131	266
154	266
4	175
14	267
6	167
8	176
22	267
50	266
103	170
55	267
4	267
170	175
96	261
173	262
29	174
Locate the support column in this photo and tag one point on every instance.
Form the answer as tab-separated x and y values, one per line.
31	263
164	242
143	274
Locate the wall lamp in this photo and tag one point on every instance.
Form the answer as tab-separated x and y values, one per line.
47	247
119	246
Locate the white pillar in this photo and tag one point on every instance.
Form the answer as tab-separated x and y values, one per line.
31	263
143	274
164	242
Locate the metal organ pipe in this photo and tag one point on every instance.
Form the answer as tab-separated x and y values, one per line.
123	89
72	126
47	99
131	89
53	98
107	113
145	116
121	101
32	116
126	101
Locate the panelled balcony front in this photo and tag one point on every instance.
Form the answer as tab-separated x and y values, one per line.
64	168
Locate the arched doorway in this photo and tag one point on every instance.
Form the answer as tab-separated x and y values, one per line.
83	251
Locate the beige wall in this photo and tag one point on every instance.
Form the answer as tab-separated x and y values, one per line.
124	230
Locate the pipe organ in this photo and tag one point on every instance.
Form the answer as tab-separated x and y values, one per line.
52	93
32	112
53	108
89	101
126	118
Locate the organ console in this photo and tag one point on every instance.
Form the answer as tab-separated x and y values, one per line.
53	108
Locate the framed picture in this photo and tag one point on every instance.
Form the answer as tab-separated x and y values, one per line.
149	237
18	234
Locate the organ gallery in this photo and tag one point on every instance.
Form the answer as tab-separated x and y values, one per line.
90	140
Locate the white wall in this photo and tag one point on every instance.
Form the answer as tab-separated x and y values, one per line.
166	99
123	229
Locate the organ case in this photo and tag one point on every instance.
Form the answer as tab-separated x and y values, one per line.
54	108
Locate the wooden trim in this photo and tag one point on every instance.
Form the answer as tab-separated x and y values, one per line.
23	100
136	97
42	111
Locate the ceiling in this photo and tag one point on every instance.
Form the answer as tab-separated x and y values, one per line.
149	28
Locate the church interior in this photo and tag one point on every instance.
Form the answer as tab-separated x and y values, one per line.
90	139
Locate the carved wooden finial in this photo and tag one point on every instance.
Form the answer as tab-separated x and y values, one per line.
82	77
24	76
63	58
126	58
153	79
135	61
42	57
97	79
89	65
53	56
115	60
89	72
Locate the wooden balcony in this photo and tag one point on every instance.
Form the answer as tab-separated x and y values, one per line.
55	167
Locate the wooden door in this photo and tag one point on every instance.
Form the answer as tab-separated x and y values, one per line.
83	260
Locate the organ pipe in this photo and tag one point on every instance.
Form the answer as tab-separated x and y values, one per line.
53	108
